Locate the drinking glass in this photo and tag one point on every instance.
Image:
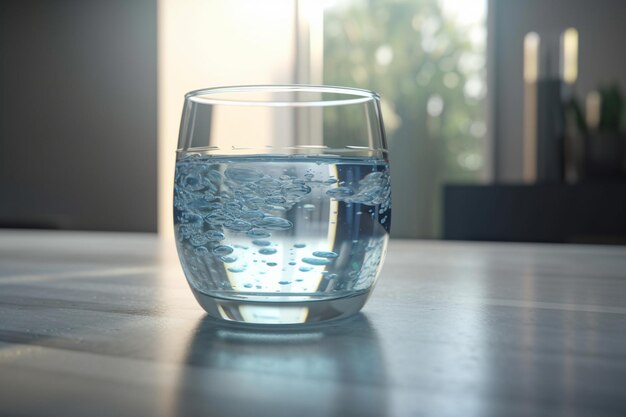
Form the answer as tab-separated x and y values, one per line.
282	201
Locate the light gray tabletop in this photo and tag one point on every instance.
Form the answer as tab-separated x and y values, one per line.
101	324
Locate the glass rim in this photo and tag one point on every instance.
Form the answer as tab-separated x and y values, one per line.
282	150
356	95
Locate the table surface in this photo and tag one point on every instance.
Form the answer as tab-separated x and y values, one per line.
103	324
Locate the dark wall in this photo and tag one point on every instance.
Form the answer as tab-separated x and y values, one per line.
602	33
78	114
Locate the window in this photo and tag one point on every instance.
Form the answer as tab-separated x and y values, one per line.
427	60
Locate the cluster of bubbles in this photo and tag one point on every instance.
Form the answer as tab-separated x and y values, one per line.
373	189
245	200
213	199
317	258
238	200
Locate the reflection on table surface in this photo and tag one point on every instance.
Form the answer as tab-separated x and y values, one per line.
103	324
238	370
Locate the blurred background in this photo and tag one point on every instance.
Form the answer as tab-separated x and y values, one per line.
505	118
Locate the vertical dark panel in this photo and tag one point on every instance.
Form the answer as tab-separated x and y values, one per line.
78	114
550	131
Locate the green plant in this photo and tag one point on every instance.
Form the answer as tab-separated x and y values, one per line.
430	71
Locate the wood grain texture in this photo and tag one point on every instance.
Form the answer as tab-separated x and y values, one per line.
103	324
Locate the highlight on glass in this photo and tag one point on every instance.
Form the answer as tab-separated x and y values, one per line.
282	208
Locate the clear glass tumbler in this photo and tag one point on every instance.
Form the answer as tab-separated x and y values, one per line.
282	201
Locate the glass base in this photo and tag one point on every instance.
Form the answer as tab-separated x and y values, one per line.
281	312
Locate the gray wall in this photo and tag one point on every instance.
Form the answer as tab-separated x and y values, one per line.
78	114
602	58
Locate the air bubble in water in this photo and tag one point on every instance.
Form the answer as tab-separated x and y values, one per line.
256	232
325	254
267	251
238	225
296	190
198	239
305	268
260	242
274	223
268	185
300	245
192	182
222	250
201	251
340	192
228	259
191	218
276	200
315	261
214	236
233	206
217	217
236	269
